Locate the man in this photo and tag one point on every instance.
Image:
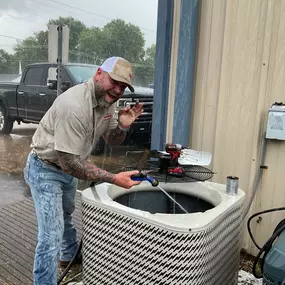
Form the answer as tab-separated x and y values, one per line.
61	144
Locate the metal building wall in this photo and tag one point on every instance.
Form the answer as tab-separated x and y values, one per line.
177	28
240	72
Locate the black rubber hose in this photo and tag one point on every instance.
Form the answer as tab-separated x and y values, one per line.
267	246
69	264
257	214
76	253
258	175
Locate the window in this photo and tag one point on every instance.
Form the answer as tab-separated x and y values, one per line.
34	76
52	74
82	73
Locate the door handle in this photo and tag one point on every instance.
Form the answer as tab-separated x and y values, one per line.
21	92
42	94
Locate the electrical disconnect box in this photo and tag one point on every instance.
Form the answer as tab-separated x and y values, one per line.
276	122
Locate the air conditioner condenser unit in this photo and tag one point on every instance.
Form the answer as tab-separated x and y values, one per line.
139	236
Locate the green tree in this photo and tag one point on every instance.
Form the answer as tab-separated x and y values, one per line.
32	49
75	29
144	71
150	55
6	66
125	40
143	74
117	38
91	45
35	48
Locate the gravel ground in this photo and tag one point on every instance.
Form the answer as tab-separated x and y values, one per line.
244	278
244	275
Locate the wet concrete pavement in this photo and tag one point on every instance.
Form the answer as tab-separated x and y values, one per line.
14	149
18	226
12	189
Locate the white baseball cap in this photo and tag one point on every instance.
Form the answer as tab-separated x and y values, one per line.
119	69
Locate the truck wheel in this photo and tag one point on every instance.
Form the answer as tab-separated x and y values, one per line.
99	147
6	123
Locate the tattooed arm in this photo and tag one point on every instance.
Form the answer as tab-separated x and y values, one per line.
70	141
126	117
115	136
85	170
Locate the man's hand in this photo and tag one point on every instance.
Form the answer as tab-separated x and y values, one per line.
123	179
86	170
128	115
83	170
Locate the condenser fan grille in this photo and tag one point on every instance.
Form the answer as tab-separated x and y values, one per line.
119	249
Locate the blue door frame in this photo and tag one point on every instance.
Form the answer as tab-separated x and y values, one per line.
185	73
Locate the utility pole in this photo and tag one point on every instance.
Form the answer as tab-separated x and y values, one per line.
59	60
58	50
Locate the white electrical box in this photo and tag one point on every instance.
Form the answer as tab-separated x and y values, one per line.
276	122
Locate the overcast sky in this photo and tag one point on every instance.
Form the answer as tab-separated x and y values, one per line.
21	18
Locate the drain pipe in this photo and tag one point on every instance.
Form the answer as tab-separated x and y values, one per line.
258	175
232	185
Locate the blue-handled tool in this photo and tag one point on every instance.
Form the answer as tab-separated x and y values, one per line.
143	177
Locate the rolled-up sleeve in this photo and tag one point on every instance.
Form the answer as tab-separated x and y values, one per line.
69	130
113	124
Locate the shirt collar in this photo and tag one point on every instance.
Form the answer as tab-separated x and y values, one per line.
91	88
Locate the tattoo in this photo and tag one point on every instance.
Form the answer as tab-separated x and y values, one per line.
115	136
83	170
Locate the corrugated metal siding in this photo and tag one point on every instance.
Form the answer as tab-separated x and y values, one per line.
240	73
172	76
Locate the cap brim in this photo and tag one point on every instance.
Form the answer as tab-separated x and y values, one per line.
121	79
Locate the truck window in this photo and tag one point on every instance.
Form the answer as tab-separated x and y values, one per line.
82	73
51	74
34	76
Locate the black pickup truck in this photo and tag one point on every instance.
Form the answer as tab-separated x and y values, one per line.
28	100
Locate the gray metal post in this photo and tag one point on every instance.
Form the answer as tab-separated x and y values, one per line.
59	60
185	72
162	71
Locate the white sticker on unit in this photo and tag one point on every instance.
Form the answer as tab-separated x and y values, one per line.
276	121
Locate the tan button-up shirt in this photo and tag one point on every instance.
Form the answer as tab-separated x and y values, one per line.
73	124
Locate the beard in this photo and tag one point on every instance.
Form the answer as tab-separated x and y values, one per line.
100	96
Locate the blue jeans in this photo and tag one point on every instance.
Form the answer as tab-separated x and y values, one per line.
53	192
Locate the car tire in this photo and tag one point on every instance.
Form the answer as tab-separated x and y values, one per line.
100	147
6	123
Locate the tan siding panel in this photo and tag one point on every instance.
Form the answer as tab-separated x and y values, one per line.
240	73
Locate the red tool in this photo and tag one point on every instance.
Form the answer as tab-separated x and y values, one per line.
176	171
174	150
197	172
